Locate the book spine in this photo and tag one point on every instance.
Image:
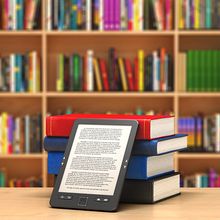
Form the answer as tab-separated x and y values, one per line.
122	74
208	14
197	14
27	134
106	15
130	15
162	70
141	70
187	14
129	74
12	73
155	72
123	15
49	15
101	15
104	75
117	14
89	15
34	64
136	74
97	75
111	14
136	14
90	75
141	15
60	73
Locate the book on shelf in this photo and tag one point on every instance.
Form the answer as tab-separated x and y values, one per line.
150	126
20	14
109	15
28	182
199	14
202	179
203	132
151	72
3	177
20	134
20	72
198	70
159	146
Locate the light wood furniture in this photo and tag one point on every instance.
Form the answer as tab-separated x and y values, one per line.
32	203
50	43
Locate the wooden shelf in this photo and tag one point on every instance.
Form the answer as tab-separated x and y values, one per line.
109	33
21	94
199	94
22	156
19	33
198	156
198	32
109	94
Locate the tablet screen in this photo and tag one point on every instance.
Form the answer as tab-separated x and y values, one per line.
95	159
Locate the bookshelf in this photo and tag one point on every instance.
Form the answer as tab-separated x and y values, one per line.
50	43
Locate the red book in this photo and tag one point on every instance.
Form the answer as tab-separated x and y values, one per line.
136	74
129	73
104	74
150	126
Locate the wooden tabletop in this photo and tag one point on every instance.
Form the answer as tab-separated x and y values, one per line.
33	203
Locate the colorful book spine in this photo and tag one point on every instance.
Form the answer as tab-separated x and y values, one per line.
90	74
141	70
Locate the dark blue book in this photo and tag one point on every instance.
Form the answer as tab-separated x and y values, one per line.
139	167
141	147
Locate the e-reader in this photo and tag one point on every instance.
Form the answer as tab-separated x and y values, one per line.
94	165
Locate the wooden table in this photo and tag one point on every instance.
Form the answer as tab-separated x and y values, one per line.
32	203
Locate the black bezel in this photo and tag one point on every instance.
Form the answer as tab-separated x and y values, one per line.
92	204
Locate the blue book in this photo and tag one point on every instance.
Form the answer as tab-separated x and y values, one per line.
61	15
20	14
18	73
139	167
73	19
141	147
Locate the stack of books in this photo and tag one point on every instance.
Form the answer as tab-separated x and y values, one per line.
199	14
20	14
109	15
20	73
203	132
152	72
20	134
150	176
199	70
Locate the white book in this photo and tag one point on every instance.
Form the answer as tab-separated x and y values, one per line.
12	72
14	15
141	14
27	133
156	85
90	73
101	15
124	21
88	15
49	15
34	69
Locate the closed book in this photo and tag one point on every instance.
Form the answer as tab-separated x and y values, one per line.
148	82
141	70
111	68
208	20
89	71
123	74
117	15
146	15
73	17
139	167
124	15
104	75
106	15
129	73
141	147
130	15
151	191
150	126
20	14
76	72
98	79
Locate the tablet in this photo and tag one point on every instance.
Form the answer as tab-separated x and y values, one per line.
94	165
